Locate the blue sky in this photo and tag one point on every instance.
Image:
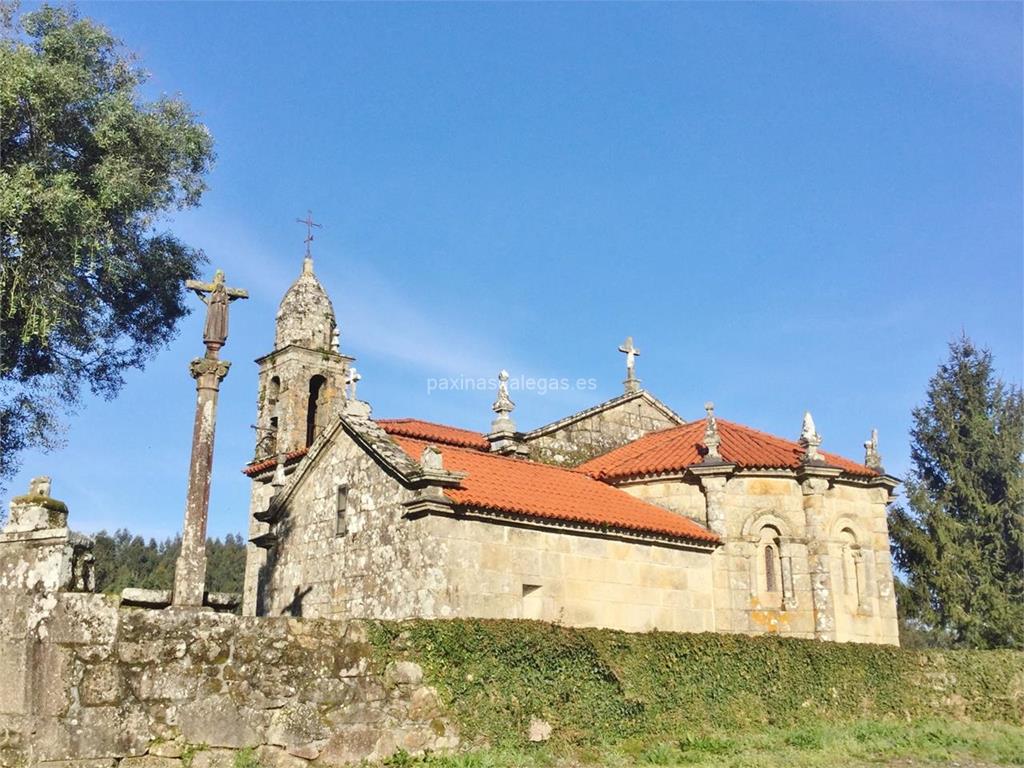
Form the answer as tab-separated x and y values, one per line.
789	206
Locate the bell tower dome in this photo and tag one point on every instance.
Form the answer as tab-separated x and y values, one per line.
302	381
305	317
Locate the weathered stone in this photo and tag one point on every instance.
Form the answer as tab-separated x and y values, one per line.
213	758
424	704
276	757
354	744
539	730
167	748
217	722
403	673
295	725
151	761
102	684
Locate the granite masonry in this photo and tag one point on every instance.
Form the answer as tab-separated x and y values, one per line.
86	682
623	515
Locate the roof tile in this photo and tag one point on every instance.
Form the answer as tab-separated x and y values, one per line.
435	433
675	449
543	491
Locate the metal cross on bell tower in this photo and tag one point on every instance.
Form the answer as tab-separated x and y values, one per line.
308	221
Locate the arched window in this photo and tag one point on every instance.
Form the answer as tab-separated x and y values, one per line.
853	577
770	570
770	580
316	387
267	437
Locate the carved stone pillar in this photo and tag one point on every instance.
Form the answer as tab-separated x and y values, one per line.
190	570
789	601
814	482
713	479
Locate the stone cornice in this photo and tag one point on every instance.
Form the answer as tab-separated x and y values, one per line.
305	351
712	469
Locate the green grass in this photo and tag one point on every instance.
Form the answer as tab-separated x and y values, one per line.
863	743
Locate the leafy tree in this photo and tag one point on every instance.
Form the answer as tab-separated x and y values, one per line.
960	542
89	285
125	560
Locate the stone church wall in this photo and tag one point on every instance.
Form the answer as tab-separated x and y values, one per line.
504	571
861	603
385	565
85	683
598	433
372	563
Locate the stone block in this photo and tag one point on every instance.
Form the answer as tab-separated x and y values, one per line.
13	672
353	744
424	704
276	757
213	758
295	725
152	761
218	722
82	619
101	684
403	673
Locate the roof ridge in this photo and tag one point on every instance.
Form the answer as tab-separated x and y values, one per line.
407	419
496	456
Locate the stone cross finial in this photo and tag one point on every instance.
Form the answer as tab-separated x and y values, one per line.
632	383
872	459
39	486
810	439
431	458
353	378
711	437
503	406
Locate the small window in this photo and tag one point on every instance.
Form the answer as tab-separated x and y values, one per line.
770	577
341	517
533	602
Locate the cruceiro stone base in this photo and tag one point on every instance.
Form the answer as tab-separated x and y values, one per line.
85	681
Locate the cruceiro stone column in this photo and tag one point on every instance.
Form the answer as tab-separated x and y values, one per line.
208	371
814	477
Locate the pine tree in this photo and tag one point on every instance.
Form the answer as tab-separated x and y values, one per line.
960	541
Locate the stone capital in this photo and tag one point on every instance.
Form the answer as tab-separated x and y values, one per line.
205	367
816	478
712	470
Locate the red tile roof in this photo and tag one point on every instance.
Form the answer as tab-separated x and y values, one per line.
435	433
527	488
259	466
675	449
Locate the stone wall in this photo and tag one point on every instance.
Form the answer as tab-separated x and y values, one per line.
379	563
373	563
860	605
85	683
577	439
497	570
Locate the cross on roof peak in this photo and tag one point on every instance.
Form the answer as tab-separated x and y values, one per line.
308	221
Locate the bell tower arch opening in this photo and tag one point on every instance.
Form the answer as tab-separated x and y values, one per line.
314	405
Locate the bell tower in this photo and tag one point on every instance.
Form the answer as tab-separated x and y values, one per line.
302	381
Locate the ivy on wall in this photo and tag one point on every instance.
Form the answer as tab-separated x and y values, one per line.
594	684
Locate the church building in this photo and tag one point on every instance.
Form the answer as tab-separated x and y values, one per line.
625	515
